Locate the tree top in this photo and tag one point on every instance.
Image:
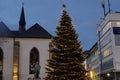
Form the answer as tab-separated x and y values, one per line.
64	7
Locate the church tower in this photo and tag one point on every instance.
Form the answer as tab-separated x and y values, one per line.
22	22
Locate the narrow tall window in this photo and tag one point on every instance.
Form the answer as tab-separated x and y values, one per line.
1	63
16	60
34	57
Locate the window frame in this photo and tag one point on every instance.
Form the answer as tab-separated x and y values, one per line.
34	57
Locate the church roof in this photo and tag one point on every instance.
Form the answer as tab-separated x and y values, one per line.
36	31
5	31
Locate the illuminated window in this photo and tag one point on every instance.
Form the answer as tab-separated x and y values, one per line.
92	75
115	24
118	24
34	57
107	52
16	60
108	26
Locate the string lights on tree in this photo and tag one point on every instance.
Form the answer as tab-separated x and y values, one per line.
67	55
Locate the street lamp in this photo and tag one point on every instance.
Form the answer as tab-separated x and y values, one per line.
108	74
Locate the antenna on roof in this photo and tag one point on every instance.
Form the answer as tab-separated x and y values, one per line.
103	5
109	6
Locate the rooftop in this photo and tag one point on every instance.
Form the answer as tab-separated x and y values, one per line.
35	31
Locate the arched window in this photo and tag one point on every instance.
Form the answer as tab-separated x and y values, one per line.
34	57
1	63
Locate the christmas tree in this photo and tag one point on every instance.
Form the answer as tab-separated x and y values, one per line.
66	53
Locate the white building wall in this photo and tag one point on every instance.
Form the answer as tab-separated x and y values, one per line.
105	27
7	47
117	58
110	17
26	46
116	50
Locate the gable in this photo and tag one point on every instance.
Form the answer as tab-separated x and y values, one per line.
36	31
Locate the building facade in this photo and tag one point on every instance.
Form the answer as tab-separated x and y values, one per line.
93	63
21	50
108	47
108	32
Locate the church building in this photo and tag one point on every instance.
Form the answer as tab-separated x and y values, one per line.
21	49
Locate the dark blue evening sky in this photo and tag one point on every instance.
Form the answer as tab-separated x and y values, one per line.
86	14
